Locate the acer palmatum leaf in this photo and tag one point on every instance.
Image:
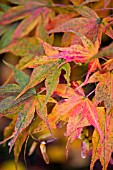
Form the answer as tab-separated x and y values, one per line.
103	150
103	91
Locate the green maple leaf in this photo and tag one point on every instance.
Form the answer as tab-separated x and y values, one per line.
10	91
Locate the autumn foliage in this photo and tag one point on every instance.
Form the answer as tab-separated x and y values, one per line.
51	97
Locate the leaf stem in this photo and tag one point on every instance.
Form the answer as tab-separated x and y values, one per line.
41	91
90	93
101	9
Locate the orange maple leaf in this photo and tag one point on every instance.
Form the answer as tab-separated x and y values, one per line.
74	106
103	150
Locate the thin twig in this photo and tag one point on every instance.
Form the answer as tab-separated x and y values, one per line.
90	93
102	9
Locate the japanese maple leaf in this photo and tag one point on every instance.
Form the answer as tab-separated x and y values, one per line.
90	25
27	48
104	88
23	109
77	53
87	25
28	13
50	72
74	105
24	112
8	92
8	131
74	127
103	150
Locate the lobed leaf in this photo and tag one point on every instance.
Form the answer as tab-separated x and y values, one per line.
61	109
75	104
27	48
39	74
25	16
78	53
52	80
84	37
74	128
92	26
10	91
85	26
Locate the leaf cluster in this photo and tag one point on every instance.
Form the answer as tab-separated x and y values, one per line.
51	97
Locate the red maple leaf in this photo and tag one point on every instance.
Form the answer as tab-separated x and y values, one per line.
75	109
